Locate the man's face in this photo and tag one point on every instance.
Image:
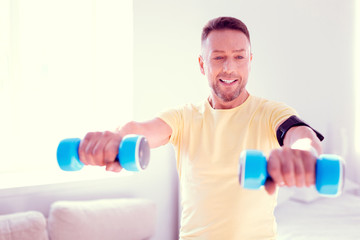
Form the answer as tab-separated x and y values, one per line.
225	61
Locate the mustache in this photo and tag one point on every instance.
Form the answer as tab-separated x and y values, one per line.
226	75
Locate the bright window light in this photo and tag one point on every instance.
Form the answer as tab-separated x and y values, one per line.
65	69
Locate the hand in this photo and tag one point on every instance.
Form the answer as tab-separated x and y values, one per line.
101	149
290	167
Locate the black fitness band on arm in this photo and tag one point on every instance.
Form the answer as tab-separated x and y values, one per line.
292	121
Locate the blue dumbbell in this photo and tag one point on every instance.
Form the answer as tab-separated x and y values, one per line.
134	153
329	172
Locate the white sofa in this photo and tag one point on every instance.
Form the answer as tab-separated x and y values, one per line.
106	219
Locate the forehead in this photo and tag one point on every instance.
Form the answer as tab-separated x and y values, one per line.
226	40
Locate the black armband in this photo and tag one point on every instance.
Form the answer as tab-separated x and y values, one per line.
292	121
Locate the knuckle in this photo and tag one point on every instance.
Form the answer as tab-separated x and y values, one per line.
306	155
107	134
89	135
272	168
286	149
276	152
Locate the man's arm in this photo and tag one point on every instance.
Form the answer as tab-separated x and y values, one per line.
294	163
101	148
156	131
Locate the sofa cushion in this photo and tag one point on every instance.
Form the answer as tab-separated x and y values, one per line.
130	219
29	225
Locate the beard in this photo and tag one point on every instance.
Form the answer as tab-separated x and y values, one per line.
226	96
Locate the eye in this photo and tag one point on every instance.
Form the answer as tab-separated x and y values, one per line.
239	57
218	58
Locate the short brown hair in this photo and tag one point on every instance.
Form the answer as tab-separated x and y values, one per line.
221	23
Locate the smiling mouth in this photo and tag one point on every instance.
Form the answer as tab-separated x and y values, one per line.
228	81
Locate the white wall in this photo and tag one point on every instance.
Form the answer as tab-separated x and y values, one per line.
71	60
302	56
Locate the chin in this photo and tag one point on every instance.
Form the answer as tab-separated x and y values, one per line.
230	97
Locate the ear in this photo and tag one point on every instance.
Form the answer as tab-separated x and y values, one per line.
251	58
201	63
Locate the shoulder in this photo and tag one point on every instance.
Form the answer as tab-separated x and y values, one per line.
194	108
182	111
267	104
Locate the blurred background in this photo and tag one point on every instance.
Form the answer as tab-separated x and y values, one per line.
70	67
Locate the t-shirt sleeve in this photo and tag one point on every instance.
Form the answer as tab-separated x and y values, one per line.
174	118
279	112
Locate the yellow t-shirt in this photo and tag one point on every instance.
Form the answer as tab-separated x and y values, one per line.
208	144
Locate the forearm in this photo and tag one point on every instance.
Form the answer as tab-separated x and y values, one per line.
156	131
303	138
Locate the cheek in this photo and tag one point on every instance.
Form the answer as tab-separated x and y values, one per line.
244	68
213	69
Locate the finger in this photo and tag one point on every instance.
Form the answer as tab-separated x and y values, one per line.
81	151
100	149
89	150
274	168
111	149
299	170
98	152
83	148
270	186
309	162
287	168
113	167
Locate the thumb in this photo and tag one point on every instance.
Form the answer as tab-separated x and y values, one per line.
270	186
113	166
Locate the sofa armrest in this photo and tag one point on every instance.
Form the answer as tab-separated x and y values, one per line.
130	219
23	226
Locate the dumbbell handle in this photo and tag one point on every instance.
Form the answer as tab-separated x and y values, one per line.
133	154
329	172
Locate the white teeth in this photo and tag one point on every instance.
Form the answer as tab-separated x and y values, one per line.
227	81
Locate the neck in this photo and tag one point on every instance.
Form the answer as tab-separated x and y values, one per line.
217	103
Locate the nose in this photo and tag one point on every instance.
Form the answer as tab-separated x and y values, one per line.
229	66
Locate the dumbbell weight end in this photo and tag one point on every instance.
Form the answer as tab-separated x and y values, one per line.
330	173
67	155
252	169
